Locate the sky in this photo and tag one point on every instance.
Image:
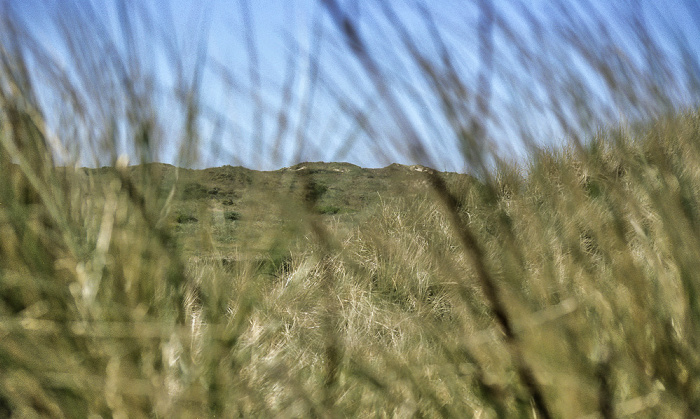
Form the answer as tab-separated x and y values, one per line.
441	83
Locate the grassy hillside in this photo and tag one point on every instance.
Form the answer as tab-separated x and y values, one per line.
228	200
242	294
565	286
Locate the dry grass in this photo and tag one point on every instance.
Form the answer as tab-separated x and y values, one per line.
563	287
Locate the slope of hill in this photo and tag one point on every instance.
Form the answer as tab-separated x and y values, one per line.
335	188
176	289
238	204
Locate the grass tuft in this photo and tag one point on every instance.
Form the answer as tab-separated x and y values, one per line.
563	285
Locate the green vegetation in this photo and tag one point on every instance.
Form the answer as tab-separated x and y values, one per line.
186	218
232	215
593	253
329	209
564	286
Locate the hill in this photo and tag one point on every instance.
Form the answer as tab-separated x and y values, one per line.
231	201
573	282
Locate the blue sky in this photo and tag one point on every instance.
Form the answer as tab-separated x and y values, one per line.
258	63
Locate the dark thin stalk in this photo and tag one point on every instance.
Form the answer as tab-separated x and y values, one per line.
466	237
488	284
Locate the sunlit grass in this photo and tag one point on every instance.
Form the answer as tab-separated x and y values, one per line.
565	285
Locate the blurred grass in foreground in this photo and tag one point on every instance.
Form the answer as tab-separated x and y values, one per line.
563	287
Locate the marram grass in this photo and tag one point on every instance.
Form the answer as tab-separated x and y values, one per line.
564	286
593	253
